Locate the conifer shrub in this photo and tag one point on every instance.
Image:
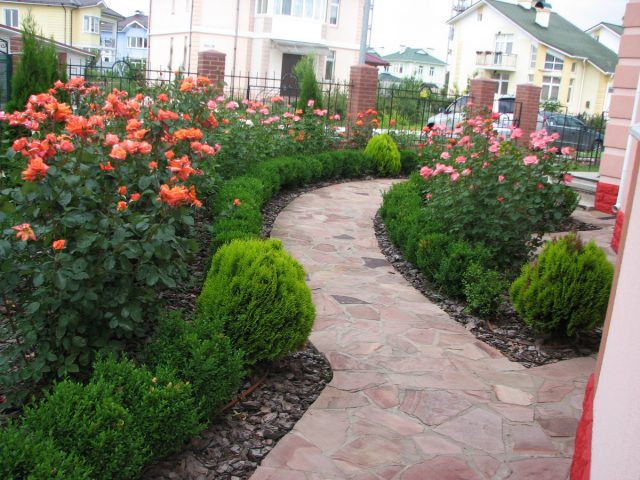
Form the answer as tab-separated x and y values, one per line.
453	265
384	154
38	68
34	456
483	289
409	161
201	354
304	71
566	290
258	293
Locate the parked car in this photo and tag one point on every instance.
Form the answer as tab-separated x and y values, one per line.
573	131
455	113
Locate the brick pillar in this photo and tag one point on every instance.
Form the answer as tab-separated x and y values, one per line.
62	62
528	101
211	64
482	92
363	92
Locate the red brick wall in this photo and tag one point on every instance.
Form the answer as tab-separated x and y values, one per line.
606	196
363	92
527	105
482	92
617	231
211	64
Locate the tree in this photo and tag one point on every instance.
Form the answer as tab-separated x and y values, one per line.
309	88
38	68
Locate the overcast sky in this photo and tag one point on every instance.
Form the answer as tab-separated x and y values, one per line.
421	23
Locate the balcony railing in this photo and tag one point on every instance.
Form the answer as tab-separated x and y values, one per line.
496	60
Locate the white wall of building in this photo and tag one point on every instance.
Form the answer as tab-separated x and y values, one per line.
606	37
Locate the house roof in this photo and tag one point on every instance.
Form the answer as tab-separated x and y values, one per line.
561	34
617	29
375	60
414	55
11	32
387	77
139	18
71	4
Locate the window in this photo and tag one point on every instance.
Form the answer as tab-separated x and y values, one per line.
570	90
504	43
479	16
334	7
184	52
432	71
262	7
298	8
503	82
534	56
329	65
137	42
530	78
420	71
552	62
170	66
550	88
574	67
91	24
11	17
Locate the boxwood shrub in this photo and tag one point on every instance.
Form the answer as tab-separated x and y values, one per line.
258	293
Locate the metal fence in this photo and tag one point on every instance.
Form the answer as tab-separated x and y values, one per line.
581	132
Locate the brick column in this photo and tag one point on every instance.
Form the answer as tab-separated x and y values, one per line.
528	100
482	92
363	91
211	64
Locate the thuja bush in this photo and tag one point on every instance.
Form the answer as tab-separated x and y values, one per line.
494	192
202	355
384	154
566	290
34	456
259	294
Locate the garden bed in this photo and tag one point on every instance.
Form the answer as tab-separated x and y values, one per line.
505	331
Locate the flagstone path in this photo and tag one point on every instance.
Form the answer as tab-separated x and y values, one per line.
414	396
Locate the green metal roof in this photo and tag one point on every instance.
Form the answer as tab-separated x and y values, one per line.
561	35
415	55
616	28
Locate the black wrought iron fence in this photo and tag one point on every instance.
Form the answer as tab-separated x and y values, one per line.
580	136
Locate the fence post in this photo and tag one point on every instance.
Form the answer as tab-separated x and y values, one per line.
482	92
211	64
528	96
363	91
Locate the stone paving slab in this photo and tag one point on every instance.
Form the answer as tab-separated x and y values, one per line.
414	396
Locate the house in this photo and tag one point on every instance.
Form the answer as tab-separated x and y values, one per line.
529	43
607	34
259	37
132	41
419	64
77	23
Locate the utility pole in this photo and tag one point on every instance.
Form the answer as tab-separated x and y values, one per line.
365	31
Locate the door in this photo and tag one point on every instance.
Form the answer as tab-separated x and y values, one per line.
288	81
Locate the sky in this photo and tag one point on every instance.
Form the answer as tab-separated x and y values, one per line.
421	23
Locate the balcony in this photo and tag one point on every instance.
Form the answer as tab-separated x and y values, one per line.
496	61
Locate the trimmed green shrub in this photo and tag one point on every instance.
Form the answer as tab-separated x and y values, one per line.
566	290
434	248
409	161
33	456
258	291
200	354
483	289
453	266
384	154
91	422
164	409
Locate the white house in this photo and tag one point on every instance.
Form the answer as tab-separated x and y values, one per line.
607	34
419	64
526	42
259	37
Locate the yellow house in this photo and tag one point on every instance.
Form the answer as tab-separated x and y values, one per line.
526	42
77	23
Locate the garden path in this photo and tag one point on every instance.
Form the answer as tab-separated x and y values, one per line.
414	395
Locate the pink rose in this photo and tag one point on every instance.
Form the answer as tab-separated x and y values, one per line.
466	172
501	178
445	155
461	159
568	178
530	160
455	176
